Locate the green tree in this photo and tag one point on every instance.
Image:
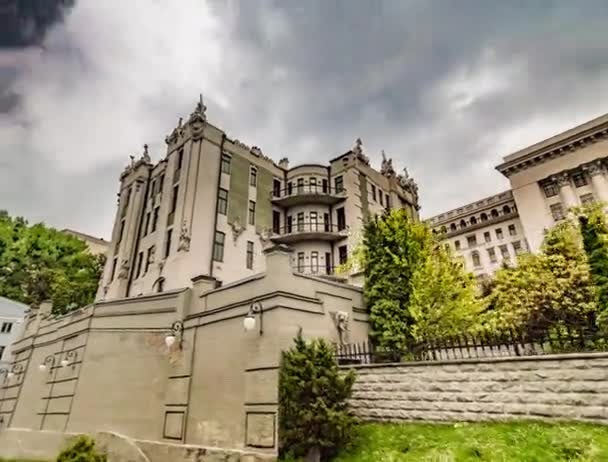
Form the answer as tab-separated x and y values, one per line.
595	241
313	416
544	290
38	263
444	298
81	449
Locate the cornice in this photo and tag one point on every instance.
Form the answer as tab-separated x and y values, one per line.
557	146
472	208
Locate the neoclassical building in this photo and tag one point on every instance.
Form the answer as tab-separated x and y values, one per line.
547	179
212	204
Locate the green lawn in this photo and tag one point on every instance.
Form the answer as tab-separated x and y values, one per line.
495	442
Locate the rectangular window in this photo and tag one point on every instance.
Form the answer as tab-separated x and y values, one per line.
276	221
472	241
339	183
313	184
289	224
550	189
342	254
380	196
557	212
314	262
326	222
253	177
121	232
579	180
251	213
249	261
314	221
300	221
125	205
180	159
222	201
498	233
512	230
374	193
152	188
517	247
114	265
504	251
300	261
161	183
7	327
492	254
457	244
324	185
300	185
174	199
140	262
168	237
587	199
276	188
155	219
225	164
149	257
218	246
147	224
327	263
289	188
341	218
487	237
387	202
1	350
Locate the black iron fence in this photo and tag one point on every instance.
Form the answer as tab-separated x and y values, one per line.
481	345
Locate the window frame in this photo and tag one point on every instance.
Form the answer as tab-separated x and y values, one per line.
253	177
249	255
222	202
226	164
219	240
251	213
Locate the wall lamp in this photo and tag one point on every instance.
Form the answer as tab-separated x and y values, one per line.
69	358
48	362
16	369
250	320
177	329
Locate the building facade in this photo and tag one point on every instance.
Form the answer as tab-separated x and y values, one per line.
213	204
547	180
96	245
11	321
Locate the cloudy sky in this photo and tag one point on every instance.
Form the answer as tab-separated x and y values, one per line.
444	87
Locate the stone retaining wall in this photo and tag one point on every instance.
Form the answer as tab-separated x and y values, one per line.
555	387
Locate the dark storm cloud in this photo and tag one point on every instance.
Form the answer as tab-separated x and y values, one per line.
446	88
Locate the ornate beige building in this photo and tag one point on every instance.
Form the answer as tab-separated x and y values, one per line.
547	179
96	245
213	204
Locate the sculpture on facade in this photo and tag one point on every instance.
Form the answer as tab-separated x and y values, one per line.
198	119
124	269
146	156
184	238
408	183
237	229
340	319
265	235
176	133
358	151
386	168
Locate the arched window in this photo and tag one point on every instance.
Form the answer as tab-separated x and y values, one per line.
463	223
473	220
494	213
453	227
484	217
444	230
506	210
476	259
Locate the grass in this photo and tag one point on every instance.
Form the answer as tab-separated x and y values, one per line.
479	442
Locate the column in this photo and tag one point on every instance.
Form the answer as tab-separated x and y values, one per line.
598	179
566	192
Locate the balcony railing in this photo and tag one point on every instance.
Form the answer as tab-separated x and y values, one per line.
306	193
309	230
314	270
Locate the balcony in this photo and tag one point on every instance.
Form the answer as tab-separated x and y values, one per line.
308	231
307	194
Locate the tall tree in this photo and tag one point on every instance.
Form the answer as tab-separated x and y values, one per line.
595	240
544	290
38	263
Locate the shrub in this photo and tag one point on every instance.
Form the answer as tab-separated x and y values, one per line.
81	449
313	416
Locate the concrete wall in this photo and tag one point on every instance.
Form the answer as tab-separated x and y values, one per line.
557	387
217	385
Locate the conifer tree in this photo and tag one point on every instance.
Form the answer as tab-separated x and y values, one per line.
313	418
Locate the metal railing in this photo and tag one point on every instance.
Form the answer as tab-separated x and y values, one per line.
483	345
308	227
314	270
295	190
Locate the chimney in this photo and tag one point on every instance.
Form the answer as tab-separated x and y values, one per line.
278	260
